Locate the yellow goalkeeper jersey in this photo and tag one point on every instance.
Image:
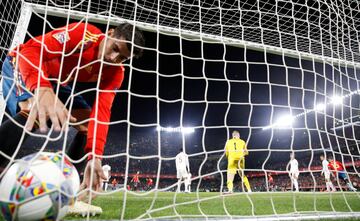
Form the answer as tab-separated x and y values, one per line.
235	148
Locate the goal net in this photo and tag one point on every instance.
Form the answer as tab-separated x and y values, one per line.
285	74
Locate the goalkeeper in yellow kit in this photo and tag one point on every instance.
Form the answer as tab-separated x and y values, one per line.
235	151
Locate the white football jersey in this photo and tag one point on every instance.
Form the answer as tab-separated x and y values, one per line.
325	167
182	161
106	168
294	166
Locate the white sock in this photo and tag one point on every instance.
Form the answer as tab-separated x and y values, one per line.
296	184
178	186
351	187
328	186
332	186
106	186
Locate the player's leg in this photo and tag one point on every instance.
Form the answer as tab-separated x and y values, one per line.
81	110
231	171
244	178
181	175
346	179
106	184
187	183
329	184
295	181
10	136
12	130
178	186
292	180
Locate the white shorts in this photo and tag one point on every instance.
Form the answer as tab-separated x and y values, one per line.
327	175
294	173
182	174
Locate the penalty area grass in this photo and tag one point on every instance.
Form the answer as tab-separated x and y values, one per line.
201	205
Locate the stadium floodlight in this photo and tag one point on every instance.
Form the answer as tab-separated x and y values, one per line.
336	100
185	130
188	130
283	122
320	107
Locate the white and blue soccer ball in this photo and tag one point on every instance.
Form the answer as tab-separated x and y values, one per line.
39	187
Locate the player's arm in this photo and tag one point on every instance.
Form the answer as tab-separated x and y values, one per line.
44	48
331	168
176	163
101	111
288	167
246	152
187	164
227	149
31	58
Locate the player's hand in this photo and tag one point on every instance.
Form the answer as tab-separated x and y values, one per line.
44	105
246	152
98	176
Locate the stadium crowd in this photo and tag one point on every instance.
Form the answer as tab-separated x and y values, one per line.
208	170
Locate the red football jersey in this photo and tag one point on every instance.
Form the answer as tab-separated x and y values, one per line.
149	182
270	179
135	179
336	166
71	53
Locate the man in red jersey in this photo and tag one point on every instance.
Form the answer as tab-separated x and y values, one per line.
271	182
149	183
339	171
39	77
135	181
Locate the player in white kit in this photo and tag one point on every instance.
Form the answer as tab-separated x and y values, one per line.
183	170
106	168
325	170
294	172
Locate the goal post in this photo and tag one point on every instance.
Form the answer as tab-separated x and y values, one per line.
222	67
17	38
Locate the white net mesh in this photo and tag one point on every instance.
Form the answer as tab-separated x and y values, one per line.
284	73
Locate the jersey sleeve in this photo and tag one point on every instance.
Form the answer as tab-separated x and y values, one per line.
101	110
246	152
177	162
54	44
187	162
227	149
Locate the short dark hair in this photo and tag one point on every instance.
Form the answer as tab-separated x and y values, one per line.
126	30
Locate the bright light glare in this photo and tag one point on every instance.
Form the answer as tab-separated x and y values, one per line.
336	100
185	130
285	121
188	130
320	107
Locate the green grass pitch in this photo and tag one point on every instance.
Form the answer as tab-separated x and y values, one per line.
171	204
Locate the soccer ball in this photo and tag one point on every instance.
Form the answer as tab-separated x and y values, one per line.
40	186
